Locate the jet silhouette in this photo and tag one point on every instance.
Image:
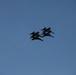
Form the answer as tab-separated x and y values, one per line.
47	32
35	36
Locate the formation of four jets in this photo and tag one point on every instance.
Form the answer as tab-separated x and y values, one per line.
45	32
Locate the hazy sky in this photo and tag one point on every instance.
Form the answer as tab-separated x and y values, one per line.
21	56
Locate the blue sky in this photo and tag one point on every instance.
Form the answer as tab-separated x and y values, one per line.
21	56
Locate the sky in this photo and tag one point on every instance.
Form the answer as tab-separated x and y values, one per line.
21	56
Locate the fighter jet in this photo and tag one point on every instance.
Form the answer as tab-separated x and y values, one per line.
47	32
35	36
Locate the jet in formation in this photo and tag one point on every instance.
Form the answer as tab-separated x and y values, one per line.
35	36
45	32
